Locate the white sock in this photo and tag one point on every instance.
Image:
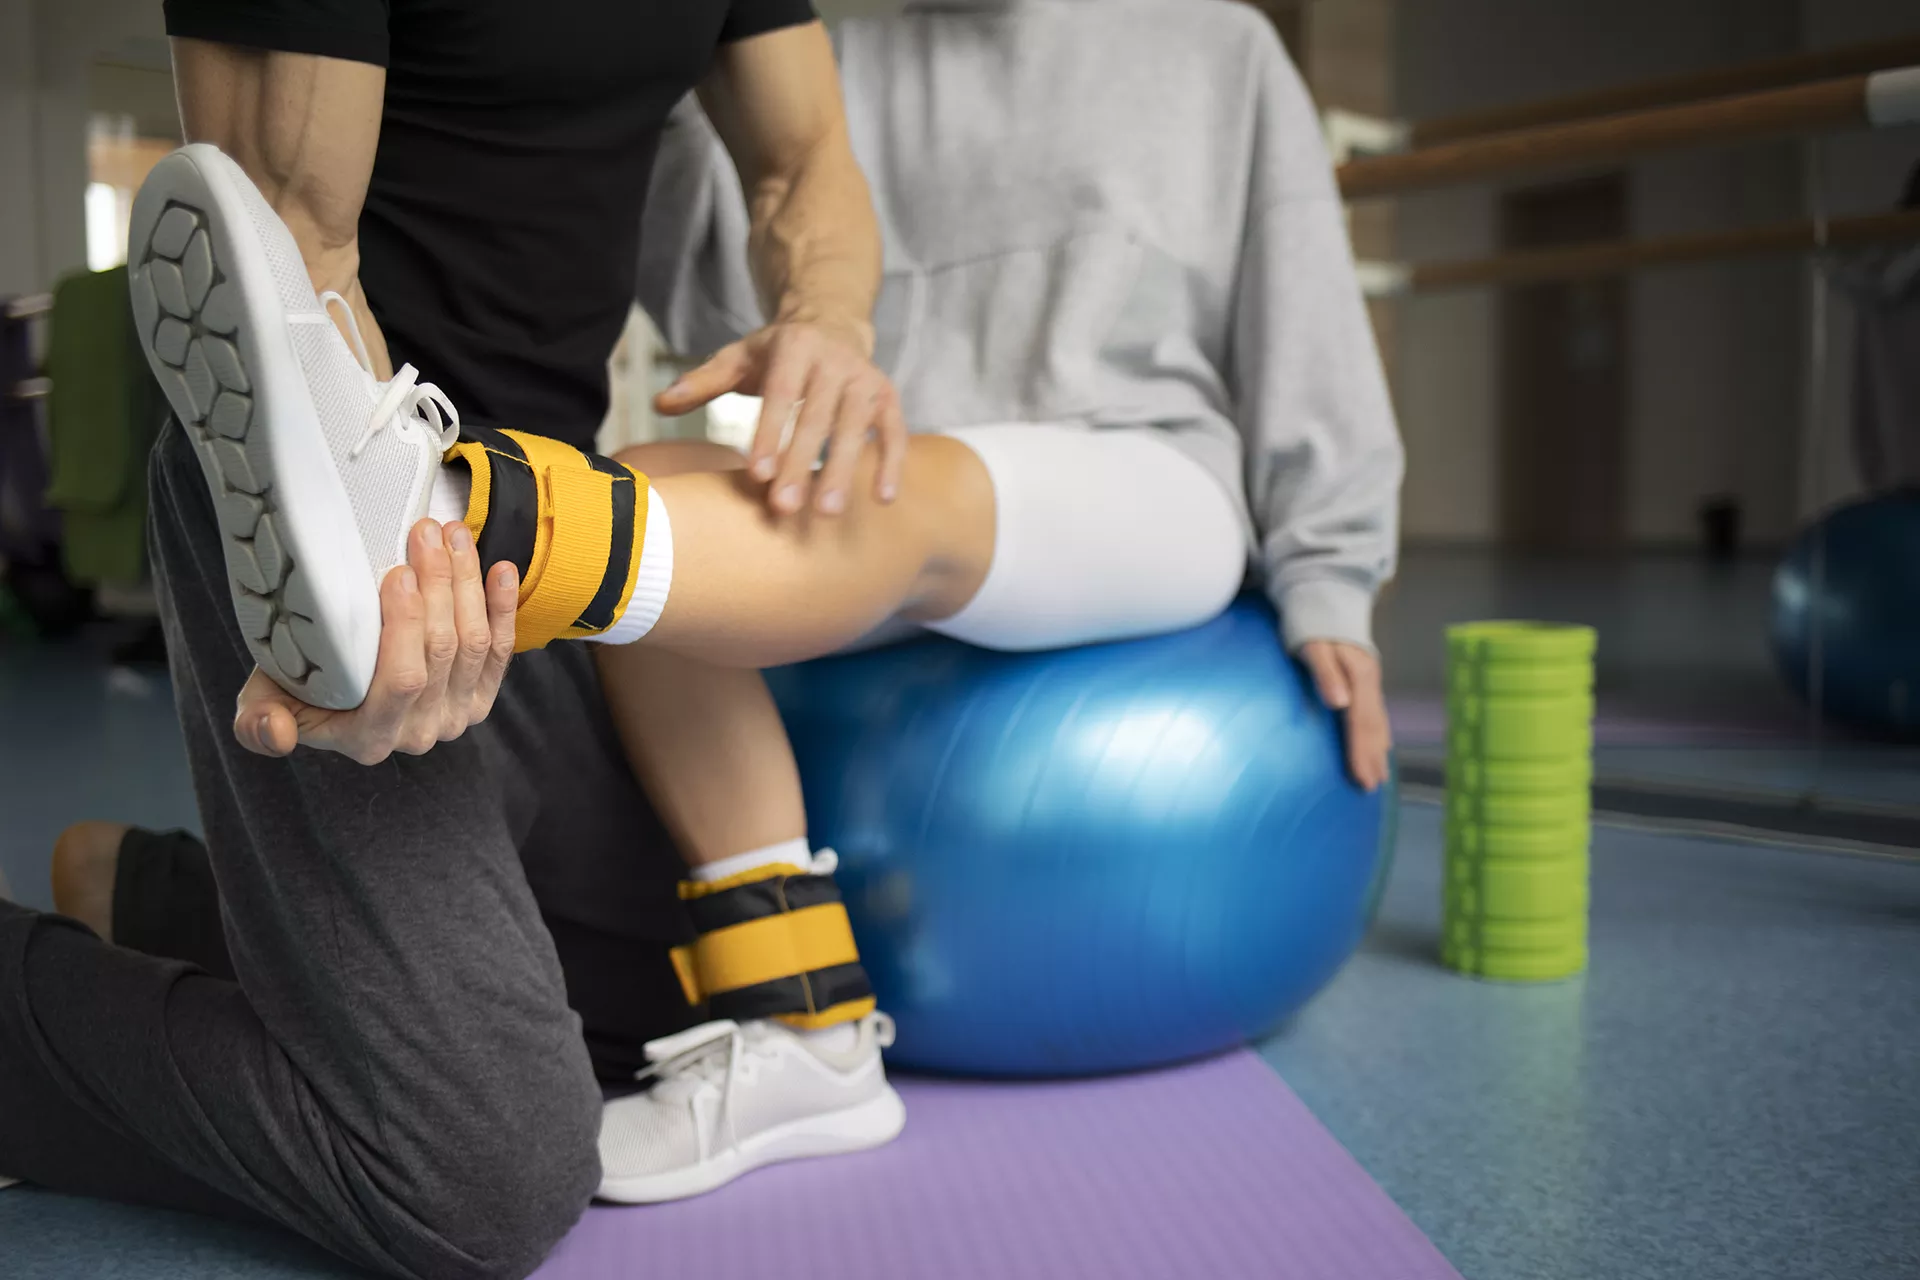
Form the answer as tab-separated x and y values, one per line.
452	490
651	582
798	854
838	1038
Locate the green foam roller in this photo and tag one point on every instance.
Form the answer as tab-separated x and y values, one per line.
1520	643
1569	806
1552	964
1517	729
1474	710
1469	772
1519	772
1534	889
1495	934
1477	840
1524	680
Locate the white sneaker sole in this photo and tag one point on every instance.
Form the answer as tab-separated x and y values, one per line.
215	333
872	1123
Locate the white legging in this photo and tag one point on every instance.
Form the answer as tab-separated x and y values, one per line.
1100	534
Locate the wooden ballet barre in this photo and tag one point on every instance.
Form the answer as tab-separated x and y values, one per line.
1719	82
1587	261
1878	99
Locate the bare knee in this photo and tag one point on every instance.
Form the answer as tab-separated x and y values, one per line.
679	457
946	489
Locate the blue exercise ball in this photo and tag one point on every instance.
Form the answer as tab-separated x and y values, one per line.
1866	603
1088	860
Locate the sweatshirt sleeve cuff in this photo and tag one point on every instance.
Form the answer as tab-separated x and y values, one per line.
1324	609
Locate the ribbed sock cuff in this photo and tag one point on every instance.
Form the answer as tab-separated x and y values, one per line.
651	581
796	852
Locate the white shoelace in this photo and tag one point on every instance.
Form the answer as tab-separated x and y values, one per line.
405	402
714	1057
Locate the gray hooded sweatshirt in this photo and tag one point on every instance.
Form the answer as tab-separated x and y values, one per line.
1118	212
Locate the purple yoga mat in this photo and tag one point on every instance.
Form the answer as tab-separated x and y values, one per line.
1214	1170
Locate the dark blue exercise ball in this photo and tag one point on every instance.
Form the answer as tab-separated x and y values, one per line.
1865	601
1087	860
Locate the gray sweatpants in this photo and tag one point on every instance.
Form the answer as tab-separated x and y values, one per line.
395	1072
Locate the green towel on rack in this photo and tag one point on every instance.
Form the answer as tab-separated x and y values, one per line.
102	415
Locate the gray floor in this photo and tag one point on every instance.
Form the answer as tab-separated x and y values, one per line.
1730	1092
81	740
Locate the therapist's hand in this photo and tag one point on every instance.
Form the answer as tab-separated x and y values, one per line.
446	636
825	369
1348	678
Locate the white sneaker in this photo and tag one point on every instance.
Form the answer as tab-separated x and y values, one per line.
317	470
731	1097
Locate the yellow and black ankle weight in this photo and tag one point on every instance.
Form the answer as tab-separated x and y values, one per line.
775	942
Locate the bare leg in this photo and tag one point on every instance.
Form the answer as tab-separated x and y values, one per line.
754	589
705	741
85	860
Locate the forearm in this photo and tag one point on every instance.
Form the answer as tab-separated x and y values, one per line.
815	244
304	129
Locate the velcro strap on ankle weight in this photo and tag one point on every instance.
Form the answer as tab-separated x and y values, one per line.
773	944
572	523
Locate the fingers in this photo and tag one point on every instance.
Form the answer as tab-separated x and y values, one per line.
1328	675
851	424
433	564
891	426
1348	680
867	409
1369	735
264	720
781	390
503	601
400	674
819	406
722	372
433	567
473	631
446	636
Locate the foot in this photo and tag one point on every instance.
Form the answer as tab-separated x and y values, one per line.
86	861
317	470
731	1097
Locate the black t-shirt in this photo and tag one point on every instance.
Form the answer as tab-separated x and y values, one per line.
501	231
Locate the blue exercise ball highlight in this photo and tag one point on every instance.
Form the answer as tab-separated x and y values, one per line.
1089	860
1866	603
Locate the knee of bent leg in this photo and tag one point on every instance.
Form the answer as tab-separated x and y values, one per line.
679	457
505	1193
